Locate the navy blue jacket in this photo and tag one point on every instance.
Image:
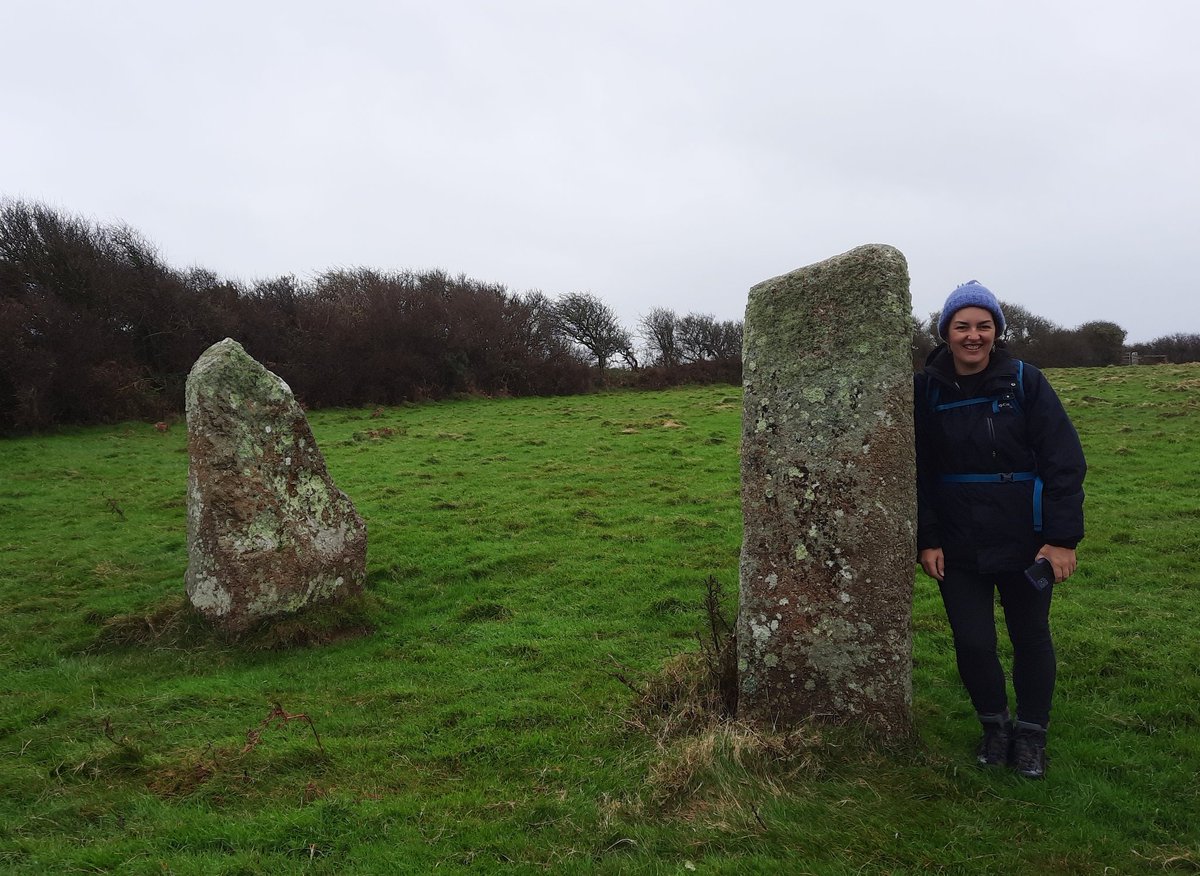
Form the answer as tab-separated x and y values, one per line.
990	526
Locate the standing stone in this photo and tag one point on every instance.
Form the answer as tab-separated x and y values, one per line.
828	494
268	532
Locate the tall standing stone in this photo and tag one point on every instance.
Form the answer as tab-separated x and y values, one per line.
828	494
268	532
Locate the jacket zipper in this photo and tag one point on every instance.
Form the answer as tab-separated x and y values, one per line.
992	434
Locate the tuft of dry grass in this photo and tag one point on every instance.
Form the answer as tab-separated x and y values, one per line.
709	768
1172	858
694	690
713	770
706	765
679	700
169	624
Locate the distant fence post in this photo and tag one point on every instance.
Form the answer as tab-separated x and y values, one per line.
1135	358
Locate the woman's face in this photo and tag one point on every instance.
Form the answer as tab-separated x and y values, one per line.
972	333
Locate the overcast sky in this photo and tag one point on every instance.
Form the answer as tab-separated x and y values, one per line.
655	153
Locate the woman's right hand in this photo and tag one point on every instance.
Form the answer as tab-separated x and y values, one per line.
933	561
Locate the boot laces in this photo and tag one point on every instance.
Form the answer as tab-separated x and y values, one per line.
1029	749
993	748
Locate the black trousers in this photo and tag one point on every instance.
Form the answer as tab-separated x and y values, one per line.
969	597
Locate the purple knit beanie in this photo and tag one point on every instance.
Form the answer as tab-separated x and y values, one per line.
970	294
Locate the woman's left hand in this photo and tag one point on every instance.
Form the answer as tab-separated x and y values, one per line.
1061	559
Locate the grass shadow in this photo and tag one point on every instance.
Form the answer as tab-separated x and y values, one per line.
174	623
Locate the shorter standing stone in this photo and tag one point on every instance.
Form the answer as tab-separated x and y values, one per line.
268	533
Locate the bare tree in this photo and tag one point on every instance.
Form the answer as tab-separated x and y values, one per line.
701	337
592	324
923	341
1177	347
658	329
729	339
538	326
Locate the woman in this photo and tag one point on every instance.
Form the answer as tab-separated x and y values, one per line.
999	484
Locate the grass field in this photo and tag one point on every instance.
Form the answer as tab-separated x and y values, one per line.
517	549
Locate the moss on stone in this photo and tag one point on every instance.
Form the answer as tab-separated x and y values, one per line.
828	489
268	531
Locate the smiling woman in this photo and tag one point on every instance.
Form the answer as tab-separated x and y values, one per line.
970	321
999	486
972	335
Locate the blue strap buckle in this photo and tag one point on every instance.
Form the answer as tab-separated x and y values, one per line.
1005	478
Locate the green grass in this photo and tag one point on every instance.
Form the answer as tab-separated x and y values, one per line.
518	548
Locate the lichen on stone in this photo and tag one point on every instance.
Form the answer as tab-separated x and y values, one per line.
268	531
827	489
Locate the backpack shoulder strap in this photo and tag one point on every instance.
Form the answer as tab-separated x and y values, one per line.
1020	385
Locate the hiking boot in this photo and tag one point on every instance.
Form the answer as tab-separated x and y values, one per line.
997	733
1028	755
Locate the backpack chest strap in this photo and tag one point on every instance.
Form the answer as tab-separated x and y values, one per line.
993	401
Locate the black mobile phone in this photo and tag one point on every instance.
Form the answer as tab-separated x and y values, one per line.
1040	574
